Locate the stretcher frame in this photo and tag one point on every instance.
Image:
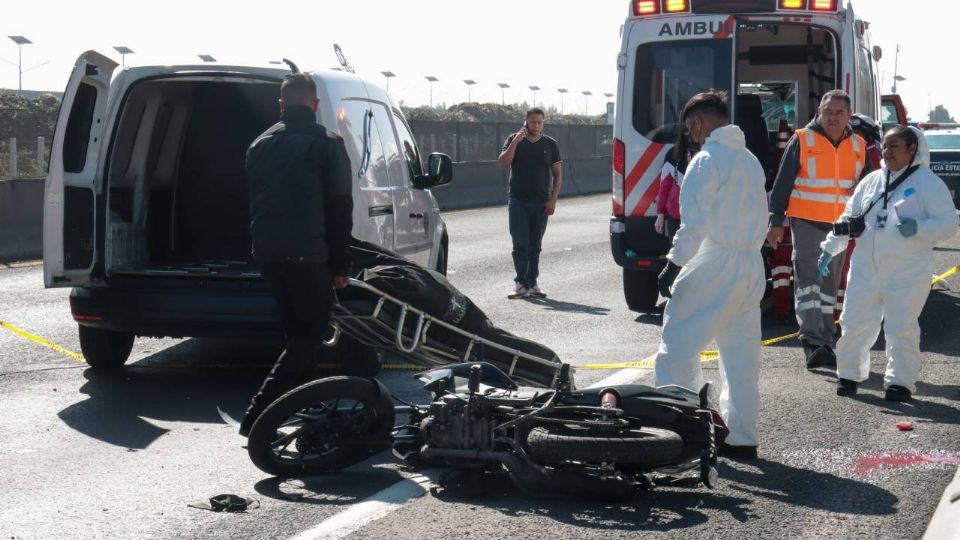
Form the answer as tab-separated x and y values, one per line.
405	331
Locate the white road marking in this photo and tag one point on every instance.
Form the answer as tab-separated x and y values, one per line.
372	508
625	376
394	497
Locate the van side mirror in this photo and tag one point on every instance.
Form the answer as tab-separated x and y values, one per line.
439	172
877	53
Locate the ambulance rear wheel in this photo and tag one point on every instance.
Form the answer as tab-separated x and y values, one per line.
640	290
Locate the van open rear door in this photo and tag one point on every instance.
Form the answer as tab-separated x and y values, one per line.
69	212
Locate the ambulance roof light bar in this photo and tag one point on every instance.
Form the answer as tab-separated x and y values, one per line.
656	7
811	5
646	7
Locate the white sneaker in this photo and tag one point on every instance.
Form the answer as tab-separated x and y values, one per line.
519	290
537	292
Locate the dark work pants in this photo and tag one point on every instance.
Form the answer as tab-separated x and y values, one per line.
304	296
527	225
814	295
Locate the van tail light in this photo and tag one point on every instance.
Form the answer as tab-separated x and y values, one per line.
675	6
619	166
646	7
793	4
823	5
609	400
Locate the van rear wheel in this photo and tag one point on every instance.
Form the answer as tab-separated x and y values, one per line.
105	349
640	290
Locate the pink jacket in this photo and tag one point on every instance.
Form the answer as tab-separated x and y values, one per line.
668	197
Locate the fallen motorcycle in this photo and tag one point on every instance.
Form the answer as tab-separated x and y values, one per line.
603	442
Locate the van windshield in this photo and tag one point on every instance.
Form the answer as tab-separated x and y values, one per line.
668	74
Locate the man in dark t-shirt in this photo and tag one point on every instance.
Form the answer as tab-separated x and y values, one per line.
534	161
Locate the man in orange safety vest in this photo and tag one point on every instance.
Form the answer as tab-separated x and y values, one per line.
820	167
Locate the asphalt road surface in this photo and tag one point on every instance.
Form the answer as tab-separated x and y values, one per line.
90	455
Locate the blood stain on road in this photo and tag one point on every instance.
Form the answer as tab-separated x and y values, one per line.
869	464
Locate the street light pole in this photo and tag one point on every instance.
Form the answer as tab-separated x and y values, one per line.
562	92
124	51
388	75
20	41
534	88
586	102
432	80
469	83
503	93
896	58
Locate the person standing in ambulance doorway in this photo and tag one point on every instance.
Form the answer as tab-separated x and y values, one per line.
535	164
301	217
818	172
671	179
897	214
716	263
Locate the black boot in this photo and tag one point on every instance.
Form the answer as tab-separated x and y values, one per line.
829	357
846	387
895	392
816	355
737	451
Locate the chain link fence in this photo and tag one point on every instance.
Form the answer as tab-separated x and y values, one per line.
482	141
462	141
24	158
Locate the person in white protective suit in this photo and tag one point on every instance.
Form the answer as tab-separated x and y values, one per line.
718	269
906	210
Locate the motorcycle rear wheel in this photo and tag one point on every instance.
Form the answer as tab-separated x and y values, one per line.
321	426
645	447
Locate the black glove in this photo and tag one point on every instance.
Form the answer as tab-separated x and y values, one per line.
666	278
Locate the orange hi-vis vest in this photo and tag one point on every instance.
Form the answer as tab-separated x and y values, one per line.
826	177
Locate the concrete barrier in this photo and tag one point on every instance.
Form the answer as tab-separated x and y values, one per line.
475	184
590	175
21	219
482	183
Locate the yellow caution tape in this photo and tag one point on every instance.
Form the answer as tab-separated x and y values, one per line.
945	275
643	364
713	355
41	341
705	356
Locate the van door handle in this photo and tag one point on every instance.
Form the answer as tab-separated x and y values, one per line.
416	216
383	210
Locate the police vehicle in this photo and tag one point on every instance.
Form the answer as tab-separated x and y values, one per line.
944	142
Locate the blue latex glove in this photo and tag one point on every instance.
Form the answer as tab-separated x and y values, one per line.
907	227
823	264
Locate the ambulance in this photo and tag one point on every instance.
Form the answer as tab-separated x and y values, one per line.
774	58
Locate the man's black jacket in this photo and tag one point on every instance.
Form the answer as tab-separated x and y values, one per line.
301	207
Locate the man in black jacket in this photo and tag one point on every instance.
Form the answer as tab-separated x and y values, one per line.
301	211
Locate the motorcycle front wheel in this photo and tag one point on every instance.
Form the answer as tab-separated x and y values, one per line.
322	426
645	447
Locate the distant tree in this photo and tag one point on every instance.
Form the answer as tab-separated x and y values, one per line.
941	114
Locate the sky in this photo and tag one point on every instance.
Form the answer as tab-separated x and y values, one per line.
547	43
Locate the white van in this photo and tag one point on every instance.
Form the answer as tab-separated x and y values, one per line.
775	58
146	212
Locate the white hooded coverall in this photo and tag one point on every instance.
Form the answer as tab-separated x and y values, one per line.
717	293
889	277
